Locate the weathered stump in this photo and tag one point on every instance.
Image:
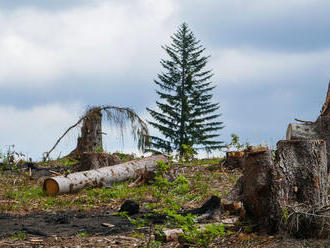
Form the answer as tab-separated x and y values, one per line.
256	186
287	194
94	160
234	159
298	185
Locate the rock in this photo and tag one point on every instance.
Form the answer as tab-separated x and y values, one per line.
131	207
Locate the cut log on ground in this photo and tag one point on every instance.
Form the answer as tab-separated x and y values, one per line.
95	160
101	177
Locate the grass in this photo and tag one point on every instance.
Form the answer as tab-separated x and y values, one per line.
19	194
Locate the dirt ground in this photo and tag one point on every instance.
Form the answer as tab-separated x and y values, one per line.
98	227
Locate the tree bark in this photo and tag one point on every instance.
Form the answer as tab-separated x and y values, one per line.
274	191
234	159
91	132
302	131
101	177
256	185
299	178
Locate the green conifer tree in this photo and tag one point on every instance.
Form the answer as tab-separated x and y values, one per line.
185	114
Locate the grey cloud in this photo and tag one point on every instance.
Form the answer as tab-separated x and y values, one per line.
49	4
228	25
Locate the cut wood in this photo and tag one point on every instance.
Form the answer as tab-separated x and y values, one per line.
169	235
101	177
302	131
274	191
299	179
234	159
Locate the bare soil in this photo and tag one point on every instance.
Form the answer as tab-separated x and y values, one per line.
64	224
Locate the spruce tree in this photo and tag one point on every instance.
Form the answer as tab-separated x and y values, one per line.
185	115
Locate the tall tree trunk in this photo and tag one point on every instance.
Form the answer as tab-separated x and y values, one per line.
91	132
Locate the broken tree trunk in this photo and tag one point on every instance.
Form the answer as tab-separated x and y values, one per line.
96	160
296	182
256	185
90	139
101	177
299	181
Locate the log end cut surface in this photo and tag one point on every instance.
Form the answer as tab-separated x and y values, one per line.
51	186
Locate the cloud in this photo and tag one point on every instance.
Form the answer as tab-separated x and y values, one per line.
250	66
34	130
278	25
92	40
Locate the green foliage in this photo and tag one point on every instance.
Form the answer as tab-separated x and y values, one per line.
99	149
186	114
188	153
82	234
235	143
285	215
19	236
124	157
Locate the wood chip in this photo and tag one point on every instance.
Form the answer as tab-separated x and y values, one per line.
107	225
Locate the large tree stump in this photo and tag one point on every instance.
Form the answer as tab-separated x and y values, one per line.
287	194
95	160
256	185
299	184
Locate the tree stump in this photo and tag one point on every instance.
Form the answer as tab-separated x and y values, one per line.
91	132
299	184
234	159
287	194
256	185
94	160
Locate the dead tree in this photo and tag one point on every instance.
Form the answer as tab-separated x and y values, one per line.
90	139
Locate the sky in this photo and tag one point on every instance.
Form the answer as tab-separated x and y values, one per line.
271	64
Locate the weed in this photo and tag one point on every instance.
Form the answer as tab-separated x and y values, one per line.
19	236
82	234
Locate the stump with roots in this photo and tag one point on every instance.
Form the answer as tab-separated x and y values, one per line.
300	187
289	193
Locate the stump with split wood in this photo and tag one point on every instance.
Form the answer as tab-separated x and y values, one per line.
299	186
288	194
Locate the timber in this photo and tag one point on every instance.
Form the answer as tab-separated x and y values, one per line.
105	176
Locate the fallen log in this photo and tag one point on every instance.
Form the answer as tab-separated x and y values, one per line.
101	177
